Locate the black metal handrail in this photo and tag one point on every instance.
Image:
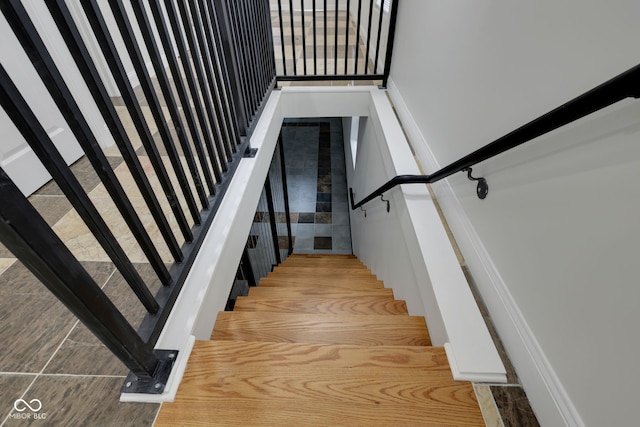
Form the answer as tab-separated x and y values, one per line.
618	88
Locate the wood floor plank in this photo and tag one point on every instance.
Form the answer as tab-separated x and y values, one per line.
355	305
321	281
321	328
310	292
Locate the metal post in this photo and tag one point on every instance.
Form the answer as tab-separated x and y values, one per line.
392	34
285	191
272	219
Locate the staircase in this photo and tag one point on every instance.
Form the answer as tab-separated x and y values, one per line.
320	342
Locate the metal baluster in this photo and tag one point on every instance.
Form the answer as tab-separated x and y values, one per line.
156	59
355	66
27	123
82	58
93	10
37	52
375	63
137	116
366	55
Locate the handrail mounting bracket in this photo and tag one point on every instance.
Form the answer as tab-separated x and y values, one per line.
483	188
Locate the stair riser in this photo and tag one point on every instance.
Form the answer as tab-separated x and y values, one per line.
306	292
320	282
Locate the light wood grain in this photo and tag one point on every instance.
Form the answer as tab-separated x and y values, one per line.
320	342
307	292
252	412
323	257
335	280
262	355
325	271
348	264
276	384
354	305
321	328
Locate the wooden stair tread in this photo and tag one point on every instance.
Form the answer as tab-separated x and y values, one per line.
325	271
289	354
354	305
319	261
258	355
296	263
268	412
321	328
311	292
321	281
276	383
323	256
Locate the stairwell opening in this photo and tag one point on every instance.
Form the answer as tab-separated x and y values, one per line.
316	177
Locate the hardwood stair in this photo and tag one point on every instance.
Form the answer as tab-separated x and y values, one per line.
318	343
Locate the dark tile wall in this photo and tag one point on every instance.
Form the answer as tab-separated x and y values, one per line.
314	158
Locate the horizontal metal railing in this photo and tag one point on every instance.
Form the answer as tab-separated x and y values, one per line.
203	90
616	89
334	40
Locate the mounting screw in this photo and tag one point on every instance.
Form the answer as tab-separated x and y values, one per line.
172	356
158	385
128	384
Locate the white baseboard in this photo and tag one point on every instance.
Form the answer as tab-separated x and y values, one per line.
26	171
546	393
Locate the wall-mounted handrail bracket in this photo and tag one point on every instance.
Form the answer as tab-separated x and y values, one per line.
483	188
388	204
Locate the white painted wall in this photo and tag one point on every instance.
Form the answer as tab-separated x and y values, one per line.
553	247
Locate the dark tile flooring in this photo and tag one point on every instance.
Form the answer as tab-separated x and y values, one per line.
47	354
314	159
514	407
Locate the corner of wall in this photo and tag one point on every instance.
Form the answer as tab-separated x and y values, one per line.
543	387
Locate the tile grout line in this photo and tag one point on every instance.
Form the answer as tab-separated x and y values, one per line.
41	373
82	375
